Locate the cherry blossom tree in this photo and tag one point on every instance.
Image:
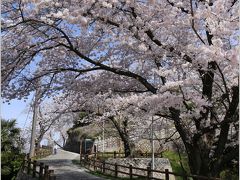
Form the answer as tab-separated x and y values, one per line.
53	118
175	59
114	111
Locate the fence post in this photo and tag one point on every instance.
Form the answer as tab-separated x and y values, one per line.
166	174
34	168
161	154
148	172
185	177
29	166
116	170
84	160
130	171
88	161
95	155
46	173
114	154
94	164
103	167
80	149
51	175
41	170
23	164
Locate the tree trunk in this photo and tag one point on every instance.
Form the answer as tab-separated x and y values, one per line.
198	161
124	137
127	147
38	141
197	150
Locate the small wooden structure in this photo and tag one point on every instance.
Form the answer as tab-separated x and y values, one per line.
36	169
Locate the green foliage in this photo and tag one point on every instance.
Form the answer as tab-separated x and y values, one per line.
41	153
230	174
82	115
11	145
175	162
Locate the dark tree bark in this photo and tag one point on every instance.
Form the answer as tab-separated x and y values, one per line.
199	146
123	133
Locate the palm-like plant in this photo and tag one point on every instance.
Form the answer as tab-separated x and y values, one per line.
11	145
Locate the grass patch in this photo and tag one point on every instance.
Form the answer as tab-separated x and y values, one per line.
175	162
75	161
230	174
176	167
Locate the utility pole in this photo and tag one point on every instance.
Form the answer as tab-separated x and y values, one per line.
103	136
80	149
34	121
152	143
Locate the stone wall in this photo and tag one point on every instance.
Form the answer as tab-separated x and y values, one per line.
111	144
74	146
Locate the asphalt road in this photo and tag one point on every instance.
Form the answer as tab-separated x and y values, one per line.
64	169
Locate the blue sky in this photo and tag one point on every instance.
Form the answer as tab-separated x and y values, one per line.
17	109
20	110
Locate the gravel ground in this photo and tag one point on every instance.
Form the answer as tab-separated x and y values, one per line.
64	169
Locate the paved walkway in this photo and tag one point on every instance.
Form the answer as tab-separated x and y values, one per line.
64	169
